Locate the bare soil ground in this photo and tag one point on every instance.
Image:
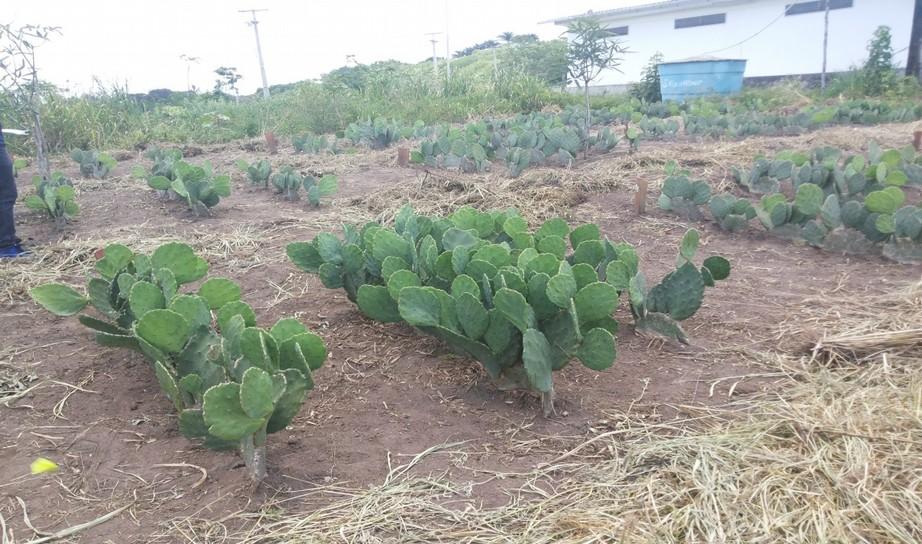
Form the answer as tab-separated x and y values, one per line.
385	393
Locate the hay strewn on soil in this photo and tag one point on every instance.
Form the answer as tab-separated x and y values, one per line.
835	456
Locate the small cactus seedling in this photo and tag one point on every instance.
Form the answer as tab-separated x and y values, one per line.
231	382
19	164
92	164
517	160
55	197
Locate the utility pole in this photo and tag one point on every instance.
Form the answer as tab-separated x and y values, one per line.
435	59
259	50
189	60
825	45
914	60
447	48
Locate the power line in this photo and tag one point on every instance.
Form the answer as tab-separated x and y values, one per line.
259	50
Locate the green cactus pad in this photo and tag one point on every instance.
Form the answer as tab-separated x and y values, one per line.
224	415
312	349
259	348
595	301
561	289
305	256
585	232
555	245
181	260
59	299
661	325
718	266
116	258
286	328
537	356
465	284
289	403
680	293
99	292
515	308
219	291
591	252
144	297
165	330
375	302
259	392
472	316
420	307
597	350
229	310
553	227
168	385
192	424
399	280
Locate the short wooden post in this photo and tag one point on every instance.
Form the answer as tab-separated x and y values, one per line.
917	140
403	156
640	198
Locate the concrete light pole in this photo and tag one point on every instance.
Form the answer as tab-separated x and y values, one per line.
259	50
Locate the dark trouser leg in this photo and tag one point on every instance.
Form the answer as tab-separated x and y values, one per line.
8	196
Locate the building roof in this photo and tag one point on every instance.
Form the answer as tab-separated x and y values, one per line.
646	9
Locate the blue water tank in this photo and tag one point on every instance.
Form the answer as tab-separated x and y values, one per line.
702	76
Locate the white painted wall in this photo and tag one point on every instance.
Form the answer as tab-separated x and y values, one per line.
792	45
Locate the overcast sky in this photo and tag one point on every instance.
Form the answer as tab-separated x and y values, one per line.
139	43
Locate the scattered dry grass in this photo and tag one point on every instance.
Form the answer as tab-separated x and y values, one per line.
833	456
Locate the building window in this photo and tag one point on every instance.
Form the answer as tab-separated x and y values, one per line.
616	31
818	5
701	20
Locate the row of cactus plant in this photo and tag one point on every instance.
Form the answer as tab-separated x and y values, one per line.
519	142
879	220
828	168
522	302
55	197
198	186
92	163
231	382
381	133
313	144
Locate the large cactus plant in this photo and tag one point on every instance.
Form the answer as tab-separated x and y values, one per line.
258	172
287	181
523	303
231	382
55	196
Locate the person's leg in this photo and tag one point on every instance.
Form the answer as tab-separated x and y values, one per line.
8	196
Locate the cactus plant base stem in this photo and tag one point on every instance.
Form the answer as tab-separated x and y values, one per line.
254	455
547	403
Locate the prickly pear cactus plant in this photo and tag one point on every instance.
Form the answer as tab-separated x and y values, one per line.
730	212
93	164
676	297
197	185
287	182
316	189
258	172
523	303
682	195
231	382
55	197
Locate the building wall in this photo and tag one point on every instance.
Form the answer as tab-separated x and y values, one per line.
791	45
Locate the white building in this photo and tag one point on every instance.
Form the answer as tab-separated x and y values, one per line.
777	37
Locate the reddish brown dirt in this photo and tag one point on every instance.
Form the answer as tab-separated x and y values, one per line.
385	392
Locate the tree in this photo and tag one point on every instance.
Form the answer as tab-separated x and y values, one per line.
914	63
648	88
19	81
227	77
591	50
877	72
506	37
525	38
